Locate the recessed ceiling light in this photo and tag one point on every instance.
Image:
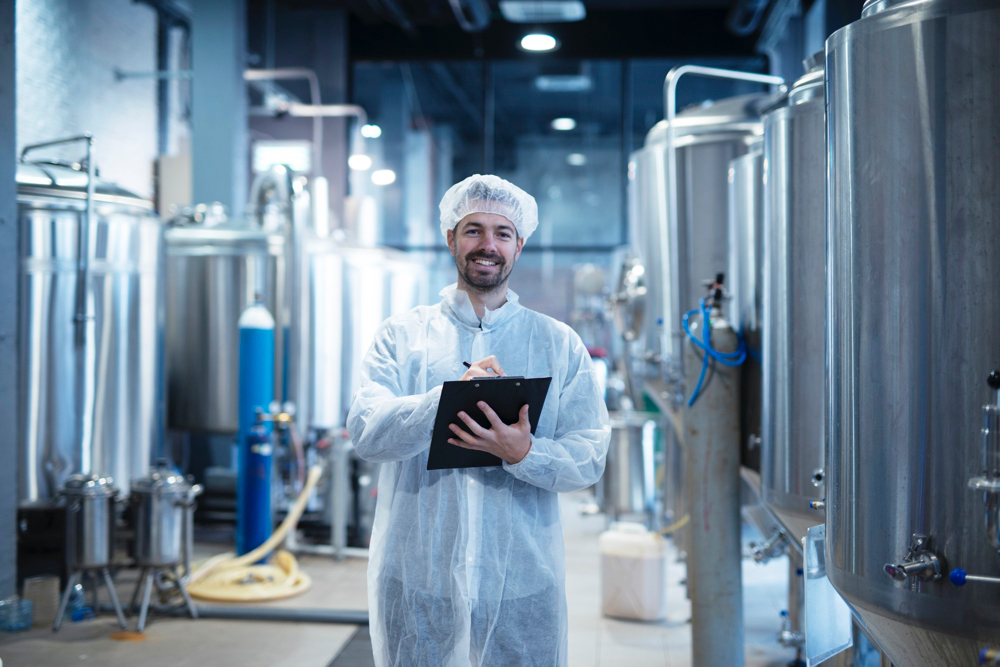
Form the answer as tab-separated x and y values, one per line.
576	159
563	83
542	11
538	42
383	177
563	124
359	162
371	131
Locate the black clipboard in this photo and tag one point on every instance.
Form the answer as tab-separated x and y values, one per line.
506	395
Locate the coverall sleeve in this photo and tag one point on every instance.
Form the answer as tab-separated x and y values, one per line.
384	424
574	459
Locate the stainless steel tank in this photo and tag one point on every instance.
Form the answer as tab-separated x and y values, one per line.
628	486
913	322
90	521
745	279
707	138
794	336
164	512
100	413
213	274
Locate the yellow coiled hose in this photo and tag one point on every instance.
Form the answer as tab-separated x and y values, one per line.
226	578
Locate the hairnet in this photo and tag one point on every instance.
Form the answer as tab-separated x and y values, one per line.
489	194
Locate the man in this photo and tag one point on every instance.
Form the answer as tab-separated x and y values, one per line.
467	564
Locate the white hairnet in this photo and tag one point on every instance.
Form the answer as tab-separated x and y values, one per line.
489	194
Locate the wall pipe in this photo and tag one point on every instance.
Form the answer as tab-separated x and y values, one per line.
297	73
81	317
670	107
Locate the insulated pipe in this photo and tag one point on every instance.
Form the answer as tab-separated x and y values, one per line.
670	107
712	462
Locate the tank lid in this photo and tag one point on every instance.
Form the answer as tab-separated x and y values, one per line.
875	6
809	85
740	113
231	232
66	180
89	485
162	481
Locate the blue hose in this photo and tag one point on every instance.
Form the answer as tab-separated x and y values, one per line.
725	358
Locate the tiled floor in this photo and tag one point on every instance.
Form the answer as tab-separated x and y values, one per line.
594	641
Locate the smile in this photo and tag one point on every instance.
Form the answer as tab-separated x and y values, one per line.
484	262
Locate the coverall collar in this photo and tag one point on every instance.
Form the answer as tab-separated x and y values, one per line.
457	304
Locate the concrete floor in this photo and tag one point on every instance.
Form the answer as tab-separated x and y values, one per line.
594	641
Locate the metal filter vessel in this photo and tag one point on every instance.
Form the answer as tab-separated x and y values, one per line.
792	442
117	387
914	321
164	507
90	521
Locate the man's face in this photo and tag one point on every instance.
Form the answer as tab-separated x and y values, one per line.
485	247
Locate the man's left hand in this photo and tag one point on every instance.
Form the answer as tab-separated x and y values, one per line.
511	443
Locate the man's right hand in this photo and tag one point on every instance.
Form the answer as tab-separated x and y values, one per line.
482	369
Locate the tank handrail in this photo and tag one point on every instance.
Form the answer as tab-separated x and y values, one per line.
670	110
85	395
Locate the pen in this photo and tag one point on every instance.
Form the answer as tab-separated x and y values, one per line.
468	365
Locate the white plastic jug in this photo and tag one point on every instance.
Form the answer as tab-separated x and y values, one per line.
633	573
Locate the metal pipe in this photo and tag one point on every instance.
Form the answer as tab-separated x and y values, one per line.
712	465
81	318
298	73
670	107
344	616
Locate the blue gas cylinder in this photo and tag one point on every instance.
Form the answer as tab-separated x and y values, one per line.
254	450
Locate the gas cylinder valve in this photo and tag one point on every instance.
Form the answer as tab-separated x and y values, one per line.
920	562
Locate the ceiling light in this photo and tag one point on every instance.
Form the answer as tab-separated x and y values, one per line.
383	177
576	159
563	83
542	11
359	162
371	131
538	42
563	124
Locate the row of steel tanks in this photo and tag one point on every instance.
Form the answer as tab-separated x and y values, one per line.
913	325
678	255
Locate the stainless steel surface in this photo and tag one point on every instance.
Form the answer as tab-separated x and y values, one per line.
628	486
90	520
711	433
678	253
163	512
914	151
91	383
213	275
744	279
794	308
671	233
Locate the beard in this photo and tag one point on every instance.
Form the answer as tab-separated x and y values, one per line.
481	281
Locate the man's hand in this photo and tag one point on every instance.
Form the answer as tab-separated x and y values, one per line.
480	369
511	443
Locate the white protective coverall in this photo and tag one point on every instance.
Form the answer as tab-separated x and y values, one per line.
466	565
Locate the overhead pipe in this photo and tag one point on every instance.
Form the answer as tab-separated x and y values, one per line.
480	11
298	73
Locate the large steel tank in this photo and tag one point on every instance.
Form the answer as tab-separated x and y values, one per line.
707	137
792	442
913	322
214	272
745	278
98	412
